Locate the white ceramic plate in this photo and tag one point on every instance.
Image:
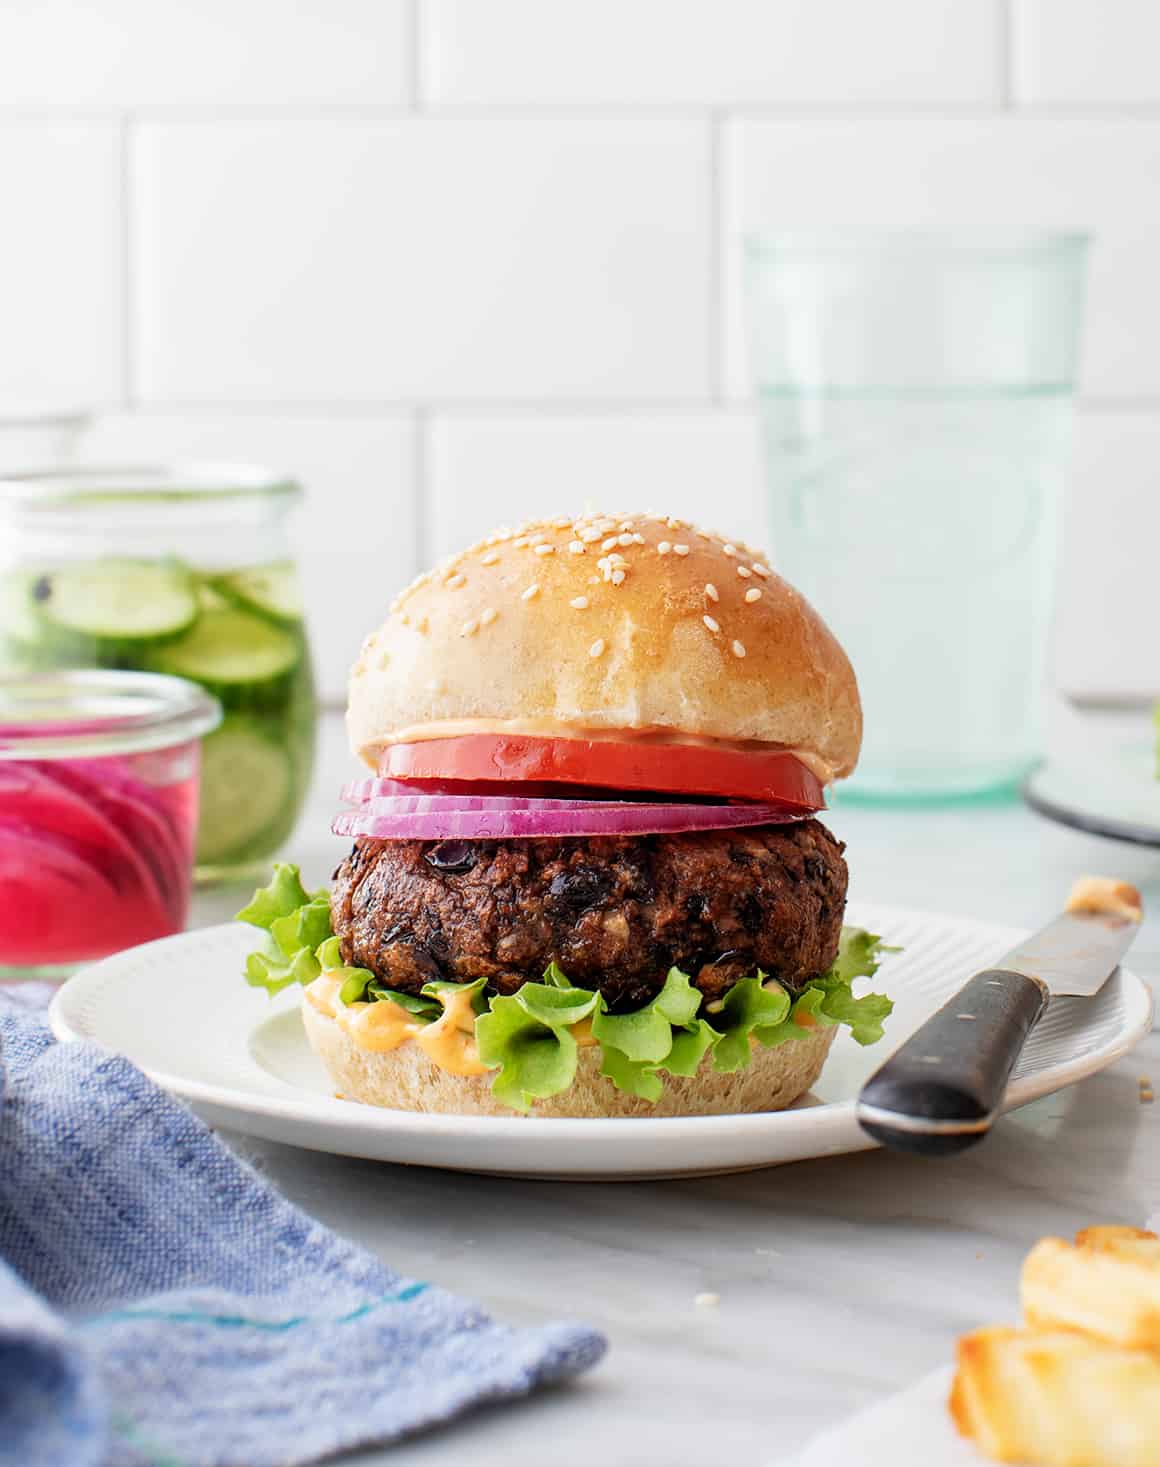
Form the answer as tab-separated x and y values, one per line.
180	1010
1117	795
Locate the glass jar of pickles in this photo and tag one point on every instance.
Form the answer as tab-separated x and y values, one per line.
186	571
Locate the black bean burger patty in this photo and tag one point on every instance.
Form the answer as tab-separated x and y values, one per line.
615	912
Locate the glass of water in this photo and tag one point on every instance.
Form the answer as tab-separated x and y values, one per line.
915	397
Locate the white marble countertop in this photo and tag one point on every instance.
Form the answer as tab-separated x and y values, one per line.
838	1280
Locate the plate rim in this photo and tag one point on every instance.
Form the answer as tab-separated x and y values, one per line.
1106	827
376	1120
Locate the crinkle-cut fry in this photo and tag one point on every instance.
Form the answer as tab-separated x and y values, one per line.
1107	1285
1057	1399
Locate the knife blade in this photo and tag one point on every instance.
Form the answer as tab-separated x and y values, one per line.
943	1088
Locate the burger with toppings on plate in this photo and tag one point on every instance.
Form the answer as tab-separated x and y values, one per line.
587	878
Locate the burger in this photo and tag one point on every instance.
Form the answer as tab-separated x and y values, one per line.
587	877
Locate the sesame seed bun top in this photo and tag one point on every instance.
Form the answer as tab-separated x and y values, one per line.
606	624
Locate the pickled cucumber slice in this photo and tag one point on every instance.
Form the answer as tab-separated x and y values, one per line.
230	649
247	788
19	622
118	601
270	590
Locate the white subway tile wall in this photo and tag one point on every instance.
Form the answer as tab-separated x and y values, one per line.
459	261
61	278
1077	51
714	52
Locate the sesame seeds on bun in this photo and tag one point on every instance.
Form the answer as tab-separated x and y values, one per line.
606	625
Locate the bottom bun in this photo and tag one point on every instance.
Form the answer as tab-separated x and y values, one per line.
406	1079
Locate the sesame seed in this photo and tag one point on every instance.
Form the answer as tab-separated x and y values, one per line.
617	577
702	534
761	570
575	547
627	525
545	550
664	547
609	544
744	572
675	524
729	549
589	533
563	523
454	582
469	628
711	623
638	539
489	559
753	594
529	593
680	550
711	591
521	543
624	539
579	602
487	617
597	648
738	649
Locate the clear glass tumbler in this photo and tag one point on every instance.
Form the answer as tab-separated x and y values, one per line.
915	396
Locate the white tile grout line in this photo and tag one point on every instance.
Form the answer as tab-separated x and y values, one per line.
413	42
1006	38
225	114
627	406
126	262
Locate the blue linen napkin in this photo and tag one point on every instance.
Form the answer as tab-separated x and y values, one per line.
161	1304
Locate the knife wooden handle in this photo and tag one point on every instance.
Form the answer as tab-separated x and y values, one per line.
940	1092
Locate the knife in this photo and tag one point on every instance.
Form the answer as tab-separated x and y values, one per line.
940	1092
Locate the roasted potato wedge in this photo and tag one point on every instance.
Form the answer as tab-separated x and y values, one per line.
1055	1398
1106	1284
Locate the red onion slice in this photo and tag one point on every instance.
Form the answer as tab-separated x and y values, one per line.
413	804
556	818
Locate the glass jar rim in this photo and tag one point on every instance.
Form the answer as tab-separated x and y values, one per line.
137	486
1011	245
73	713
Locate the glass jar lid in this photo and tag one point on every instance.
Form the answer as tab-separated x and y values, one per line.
75	714
95	495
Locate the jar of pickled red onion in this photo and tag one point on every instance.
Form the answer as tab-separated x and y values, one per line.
98	813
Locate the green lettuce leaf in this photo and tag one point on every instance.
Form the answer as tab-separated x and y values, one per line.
432	990
633	1076
328	954
273	972
422	1008
863	1016
556	1007
282	898
804	1015
534	1059
647	1034
689	1047
860	954
309	927
751	1004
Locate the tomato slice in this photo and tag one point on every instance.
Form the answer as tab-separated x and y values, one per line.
608	764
